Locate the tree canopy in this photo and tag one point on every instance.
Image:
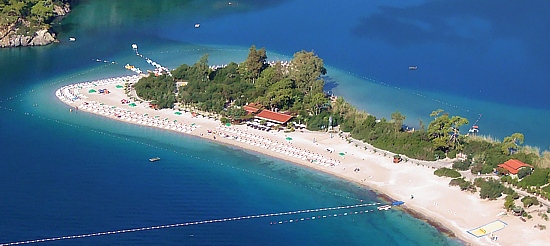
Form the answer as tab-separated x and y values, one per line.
38	12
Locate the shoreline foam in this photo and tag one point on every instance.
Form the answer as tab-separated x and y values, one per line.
449	210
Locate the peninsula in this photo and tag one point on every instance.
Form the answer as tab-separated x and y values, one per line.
279	109
27	22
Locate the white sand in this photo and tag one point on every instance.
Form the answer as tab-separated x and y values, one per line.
454	209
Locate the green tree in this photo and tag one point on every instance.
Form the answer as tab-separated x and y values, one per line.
254	63
509	203
443	131
398	120
42	11
317	101
305	69
510	143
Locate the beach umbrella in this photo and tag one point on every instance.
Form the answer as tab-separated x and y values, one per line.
228	124
92	91
288	138
145	114
341	154
175	121
156	116
177	113
119	86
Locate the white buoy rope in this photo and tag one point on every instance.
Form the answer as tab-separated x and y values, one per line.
149	228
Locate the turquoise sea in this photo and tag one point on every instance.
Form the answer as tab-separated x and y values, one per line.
70	174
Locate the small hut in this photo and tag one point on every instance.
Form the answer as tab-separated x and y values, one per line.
518	211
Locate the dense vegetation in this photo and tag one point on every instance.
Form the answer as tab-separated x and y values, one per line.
28	15
297	88
158	90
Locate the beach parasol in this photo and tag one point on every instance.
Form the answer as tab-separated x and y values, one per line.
227	124
132	105
177	113
119	86
288	138
145	114
341	154
156	116
92	91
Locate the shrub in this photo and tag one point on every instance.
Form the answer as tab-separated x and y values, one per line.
538	177
509	202
490	189
447	172
460	182
522	173
544	216
461	165
528	201
452	154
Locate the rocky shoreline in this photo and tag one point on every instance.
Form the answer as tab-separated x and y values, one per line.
9	36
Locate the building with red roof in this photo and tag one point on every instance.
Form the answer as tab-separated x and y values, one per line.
251	108
274	117
513	166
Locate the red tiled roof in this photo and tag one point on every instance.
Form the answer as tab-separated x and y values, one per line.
513	165
274	116
251	108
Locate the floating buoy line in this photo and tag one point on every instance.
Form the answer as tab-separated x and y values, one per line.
247	217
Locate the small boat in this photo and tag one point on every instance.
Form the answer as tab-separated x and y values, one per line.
154	159
72	39
413	67
197	25
384	207
397	203
474	129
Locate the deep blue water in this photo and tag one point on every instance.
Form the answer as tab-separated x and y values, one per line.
64	174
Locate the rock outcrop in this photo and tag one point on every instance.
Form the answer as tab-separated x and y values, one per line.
9	36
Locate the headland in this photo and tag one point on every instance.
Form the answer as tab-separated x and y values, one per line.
454	212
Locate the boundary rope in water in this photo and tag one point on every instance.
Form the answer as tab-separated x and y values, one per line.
149	228
320	217
399	88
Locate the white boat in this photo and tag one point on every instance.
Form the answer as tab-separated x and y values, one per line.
384	207
72	39
197	25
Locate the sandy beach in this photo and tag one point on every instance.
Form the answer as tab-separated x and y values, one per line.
444	206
